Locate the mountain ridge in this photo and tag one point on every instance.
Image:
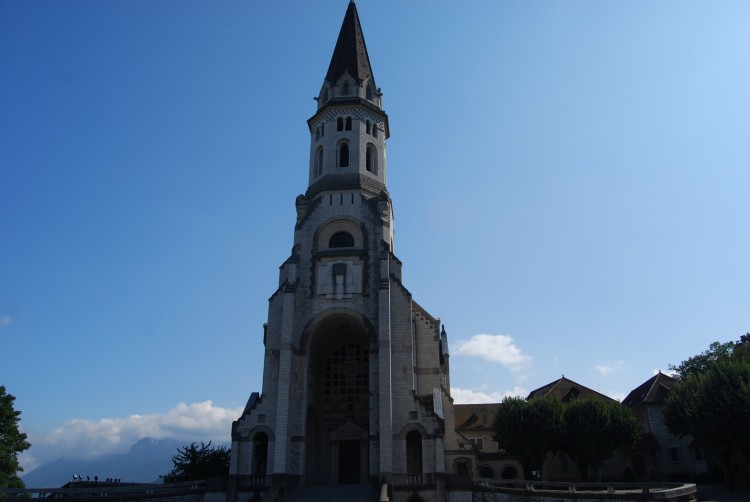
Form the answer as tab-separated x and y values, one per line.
144	462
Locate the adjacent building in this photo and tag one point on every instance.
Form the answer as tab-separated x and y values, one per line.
660	455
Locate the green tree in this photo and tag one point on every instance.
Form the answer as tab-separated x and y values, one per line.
594	430
12	442
193	462
713	406
701	362
529	430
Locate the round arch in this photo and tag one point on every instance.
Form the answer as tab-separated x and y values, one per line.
339	344
414	426
261	452
486	471
509	472
341	313
327	229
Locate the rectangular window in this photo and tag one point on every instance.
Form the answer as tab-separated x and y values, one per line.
478	442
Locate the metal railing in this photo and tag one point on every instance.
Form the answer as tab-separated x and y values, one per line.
109	491
639	491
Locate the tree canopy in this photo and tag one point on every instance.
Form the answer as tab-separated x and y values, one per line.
588	430
193	462
711	402
594	430
529	429
12	442
701	362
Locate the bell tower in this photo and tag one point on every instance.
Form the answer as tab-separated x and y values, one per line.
350	128
356	375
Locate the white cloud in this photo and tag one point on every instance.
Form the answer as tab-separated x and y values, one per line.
5	320
494	348
467	396
80	438
606	369
28	461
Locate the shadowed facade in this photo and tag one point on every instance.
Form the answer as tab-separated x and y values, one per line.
356	374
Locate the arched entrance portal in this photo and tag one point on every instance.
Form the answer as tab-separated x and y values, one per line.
338	415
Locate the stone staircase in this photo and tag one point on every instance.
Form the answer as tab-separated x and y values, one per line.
333	493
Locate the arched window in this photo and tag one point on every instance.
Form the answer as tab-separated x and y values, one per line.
367	127
374	130
346	382
344	155
510	473
340	124
371	159
486	471
319	162
341	240
414	453
348	123
323	129
260	454
317	133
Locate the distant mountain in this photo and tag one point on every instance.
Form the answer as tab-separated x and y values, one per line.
147	459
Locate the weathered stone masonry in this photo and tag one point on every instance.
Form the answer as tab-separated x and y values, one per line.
356	374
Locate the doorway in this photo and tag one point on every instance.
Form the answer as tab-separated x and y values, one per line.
349	462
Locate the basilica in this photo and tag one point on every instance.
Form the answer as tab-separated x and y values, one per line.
356	378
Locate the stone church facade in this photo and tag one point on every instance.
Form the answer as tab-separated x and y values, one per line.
356	379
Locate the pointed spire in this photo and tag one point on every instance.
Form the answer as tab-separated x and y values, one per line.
350	55
444	341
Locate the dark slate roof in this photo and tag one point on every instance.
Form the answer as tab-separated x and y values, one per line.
653	390
565	389
350	55
345	181
474	416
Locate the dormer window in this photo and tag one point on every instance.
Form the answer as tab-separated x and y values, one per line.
345	89
341	240
369	92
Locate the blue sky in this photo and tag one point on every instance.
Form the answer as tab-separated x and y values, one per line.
570	183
